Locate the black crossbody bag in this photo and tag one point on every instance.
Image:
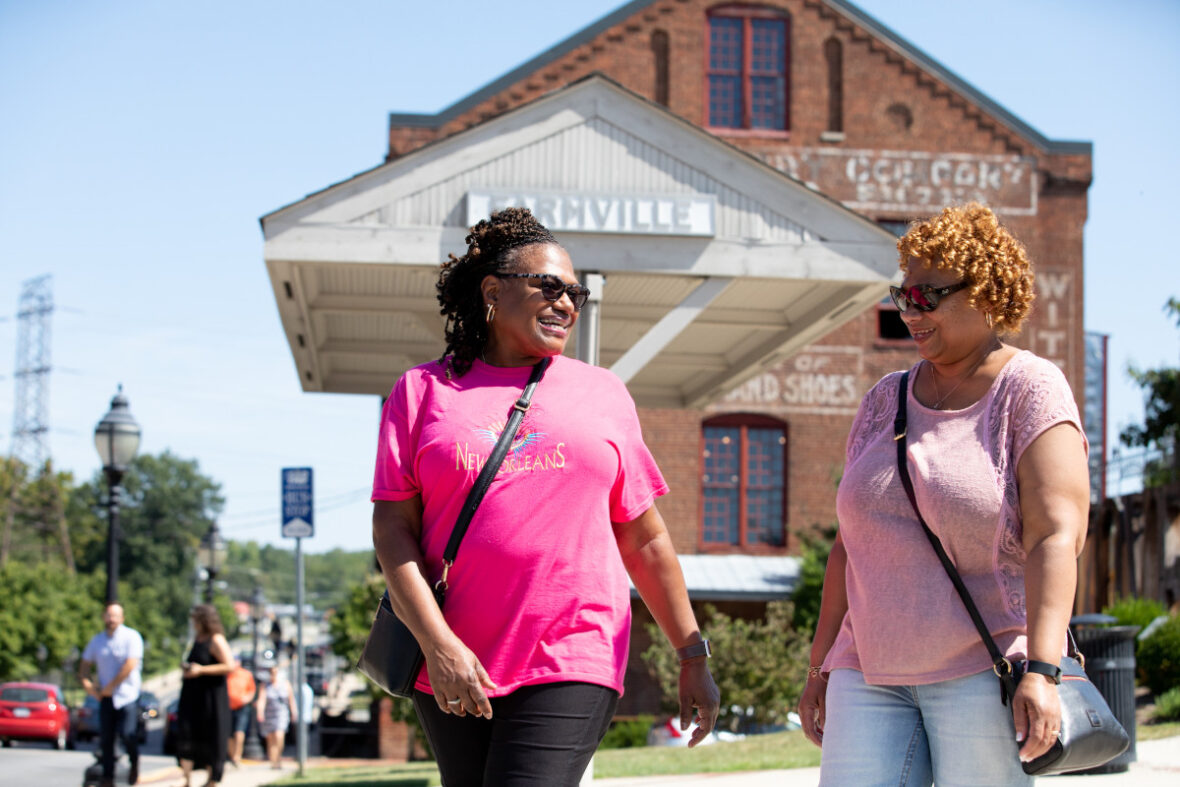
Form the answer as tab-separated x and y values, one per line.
392	657
1090	735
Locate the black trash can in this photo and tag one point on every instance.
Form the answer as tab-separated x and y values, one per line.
1110	665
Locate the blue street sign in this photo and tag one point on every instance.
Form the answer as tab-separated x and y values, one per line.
298	516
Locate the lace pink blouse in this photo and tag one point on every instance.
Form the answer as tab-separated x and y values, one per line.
905	624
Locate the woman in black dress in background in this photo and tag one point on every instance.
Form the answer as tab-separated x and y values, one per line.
203	717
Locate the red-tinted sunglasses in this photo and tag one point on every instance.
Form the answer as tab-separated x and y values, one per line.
922	297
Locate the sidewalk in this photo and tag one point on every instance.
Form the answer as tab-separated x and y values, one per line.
1158	766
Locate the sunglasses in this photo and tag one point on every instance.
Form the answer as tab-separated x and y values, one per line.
922	297
553	287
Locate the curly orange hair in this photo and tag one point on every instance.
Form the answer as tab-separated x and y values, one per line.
969	240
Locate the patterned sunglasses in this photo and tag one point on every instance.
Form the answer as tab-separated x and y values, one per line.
553	287
922	297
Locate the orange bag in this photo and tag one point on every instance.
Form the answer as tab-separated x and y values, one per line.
240	685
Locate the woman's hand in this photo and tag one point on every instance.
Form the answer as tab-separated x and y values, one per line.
812	709
699	691
192	670
1036	711
456	673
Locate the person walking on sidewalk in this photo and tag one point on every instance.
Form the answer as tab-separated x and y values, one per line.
241	688
276	708
203	717
524	667
901	688
117	652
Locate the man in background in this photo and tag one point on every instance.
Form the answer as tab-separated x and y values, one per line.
117	651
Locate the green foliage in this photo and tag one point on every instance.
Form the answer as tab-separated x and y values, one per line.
1133	611
1161	425
627	733
1159	658
45	621
349	628
808	592
759	665
1167	705
327	576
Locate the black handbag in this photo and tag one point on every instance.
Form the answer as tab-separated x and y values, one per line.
1090	735
392	657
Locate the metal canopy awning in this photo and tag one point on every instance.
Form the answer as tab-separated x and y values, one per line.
686	315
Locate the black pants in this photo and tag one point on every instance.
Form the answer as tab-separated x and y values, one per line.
114	721
542	736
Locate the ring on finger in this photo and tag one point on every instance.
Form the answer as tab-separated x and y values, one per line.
456	701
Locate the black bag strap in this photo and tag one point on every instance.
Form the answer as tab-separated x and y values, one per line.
1001	665
484	480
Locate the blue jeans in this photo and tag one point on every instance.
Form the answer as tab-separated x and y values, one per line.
120	722
953	733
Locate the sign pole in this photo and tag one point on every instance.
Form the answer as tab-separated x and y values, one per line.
304	713
299	523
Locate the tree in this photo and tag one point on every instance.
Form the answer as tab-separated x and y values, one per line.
45	622
1161	426
760	665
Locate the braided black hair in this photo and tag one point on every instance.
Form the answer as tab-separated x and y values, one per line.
491	248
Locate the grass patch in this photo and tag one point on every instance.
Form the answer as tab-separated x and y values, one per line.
1152	732
759	753
414	774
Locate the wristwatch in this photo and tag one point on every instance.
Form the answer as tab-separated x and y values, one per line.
694	650
1051	671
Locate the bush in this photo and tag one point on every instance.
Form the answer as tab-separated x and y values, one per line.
1159	658
1132	611
627	733
1167	705
809	591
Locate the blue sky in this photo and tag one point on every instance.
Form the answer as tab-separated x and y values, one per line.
141	141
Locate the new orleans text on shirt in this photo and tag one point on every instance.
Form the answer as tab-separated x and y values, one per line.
466	459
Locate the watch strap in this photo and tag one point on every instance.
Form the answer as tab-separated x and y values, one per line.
695	650
1051	671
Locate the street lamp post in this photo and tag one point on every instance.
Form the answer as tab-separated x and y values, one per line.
117	439
252	748
211	554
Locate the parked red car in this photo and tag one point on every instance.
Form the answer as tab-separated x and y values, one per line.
34	712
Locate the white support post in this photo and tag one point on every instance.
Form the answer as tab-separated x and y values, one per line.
590	320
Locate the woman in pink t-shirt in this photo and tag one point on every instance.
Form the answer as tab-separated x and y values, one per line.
901	689
524	668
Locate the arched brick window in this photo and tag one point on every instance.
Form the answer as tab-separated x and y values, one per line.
743	481
747	81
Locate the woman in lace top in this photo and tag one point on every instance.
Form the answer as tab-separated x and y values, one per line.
901	689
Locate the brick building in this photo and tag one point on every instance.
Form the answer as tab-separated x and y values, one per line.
737	172
823	92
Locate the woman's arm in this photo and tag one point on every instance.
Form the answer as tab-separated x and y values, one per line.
1054	484
220	649
651	562
260	701
833	606
454	670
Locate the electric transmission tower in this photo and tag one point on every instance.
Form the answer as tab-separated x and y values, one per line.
30	416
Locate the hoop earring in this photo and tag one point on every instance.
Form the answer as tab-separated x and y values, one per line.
491	312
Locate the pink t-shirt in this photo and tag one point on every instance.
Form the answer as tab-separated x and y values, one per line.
538	590
905	624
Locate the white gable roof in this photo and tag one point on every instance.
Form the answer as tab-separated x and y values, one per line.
684	318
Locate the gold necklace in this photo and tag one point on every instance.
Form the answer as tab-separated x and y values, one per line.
963	379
